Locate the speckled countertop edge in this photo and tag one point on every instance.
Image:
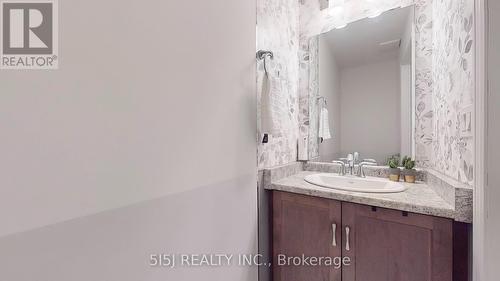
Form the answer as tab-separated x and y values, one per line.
435	196
418	198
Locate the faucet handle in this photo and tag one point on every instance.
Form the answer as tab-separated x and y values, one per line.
350	157
356	156
342	166
361	171
370	160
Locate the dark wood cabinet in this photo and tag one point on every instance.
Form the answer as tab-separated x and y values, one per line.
382	244
304	225
389	245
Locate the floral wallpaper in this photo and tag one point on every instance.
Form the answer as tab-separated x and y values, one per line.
307	89
313	102
453	89
278	31
424	112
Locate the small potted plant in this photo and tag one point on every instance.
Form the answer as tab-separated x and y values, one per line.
409	171
394	171
404	160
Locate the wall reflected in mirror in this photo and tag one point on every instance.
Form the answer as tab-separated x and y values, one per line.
366	89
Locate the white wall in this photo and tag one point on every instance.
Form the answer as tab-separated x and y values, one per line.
406	116
329	87
492	191
152	98
370	108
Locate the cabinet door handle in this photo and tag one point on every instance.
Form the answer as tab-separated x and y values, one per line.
347	246
334	231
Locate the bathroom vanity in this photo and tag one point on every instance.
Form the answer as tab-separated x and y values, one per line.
381	244
415	234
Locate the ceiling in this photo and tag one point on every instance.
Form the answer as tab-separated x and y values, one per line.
361	42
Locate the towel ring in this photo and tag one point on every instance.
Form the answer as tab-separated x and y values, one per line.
262	55
322	98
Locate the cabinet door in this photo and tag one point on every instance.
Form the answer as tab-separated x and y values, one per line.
388	245
303	225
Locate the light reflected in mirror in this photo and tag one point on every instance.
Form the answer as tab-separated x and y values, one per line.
366	83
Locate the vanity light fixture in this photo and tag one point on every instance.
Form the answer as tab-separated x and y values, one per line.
372	8
337	11
341	26
375	14
336	3
339	20
336	8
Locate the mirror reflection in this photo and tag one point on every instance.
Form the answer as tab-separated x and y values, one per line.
366	85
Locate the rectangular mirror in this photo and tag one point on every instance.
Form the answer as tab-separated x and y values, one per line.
366	95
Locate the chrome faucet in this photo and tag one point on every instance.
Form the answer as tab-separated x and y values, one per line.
342	166
351	160
365	162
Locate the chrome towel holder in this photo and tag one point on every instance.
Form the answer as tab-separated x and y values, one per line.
321	98
262	55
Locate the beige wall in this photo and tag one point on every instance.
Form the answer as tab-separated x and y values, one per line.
152	100
370	108
491	256
406	134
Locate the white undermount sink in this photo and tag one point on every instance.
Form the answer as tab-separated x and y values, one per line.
357	184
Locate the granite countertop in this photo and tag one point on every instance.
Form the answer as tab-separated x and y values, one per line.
418	198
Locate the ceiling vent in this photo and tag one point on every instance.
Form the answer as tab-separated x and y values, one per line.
390	45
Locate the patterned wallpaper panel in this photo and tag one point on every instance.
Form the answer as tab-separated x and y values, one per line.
453	91
424	112
278	31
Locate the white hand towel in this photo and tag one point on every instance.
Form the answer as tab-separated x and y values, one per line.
324	126
270	105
